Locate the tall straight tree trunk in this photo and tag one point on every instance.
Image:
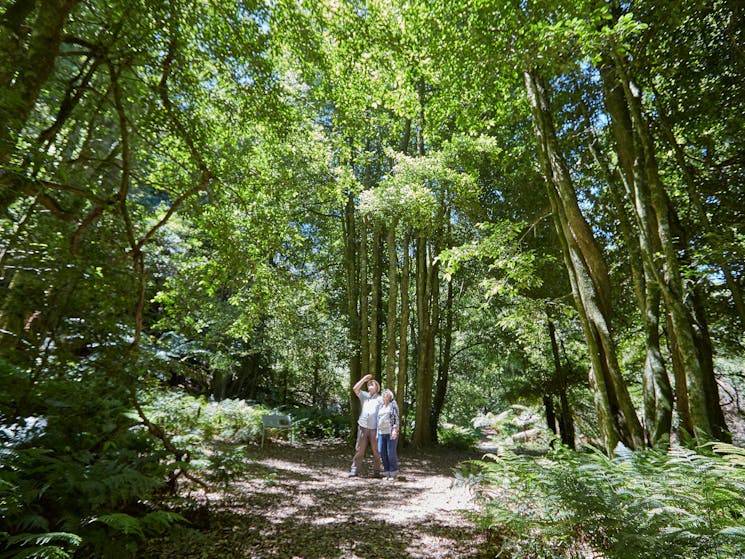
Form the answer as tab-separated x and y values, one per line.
443	370
427	319
353	294
703	395
390	357
423	379
426	305
364	300
376	304
589	278
398	381
403	329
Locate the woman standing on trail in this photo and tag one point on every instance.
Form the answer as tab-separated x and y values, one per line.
388	434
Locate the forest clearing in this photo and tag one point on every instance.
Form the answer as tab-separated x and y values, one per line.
301	504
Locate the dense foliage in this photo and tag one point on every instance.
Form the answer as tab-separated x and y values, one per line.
638	505
214	209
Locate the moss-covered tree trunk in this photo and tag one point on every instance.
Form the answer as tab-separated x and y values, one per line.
690	334
638	234
589	278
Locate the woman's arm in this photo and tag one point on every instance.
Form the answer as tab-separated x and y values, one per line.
394	420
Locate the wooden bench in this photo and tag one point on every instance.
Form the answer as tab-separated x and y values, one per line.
277	421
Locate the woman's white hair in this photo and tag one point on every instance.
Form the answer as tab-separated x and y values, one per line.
389	392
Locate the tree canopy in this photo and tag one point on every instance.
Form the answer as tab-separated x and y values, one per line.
478	203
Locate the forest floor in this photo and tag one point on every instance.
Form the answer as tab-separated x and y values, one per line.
296	501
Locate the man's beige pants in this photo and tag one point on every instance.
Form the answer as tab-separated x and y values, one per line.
365	437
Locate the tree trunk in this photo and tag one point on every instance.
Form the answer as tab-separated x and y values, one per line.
390	358
694	300
691	174
427	316
28	52
589	278
703	396
566	421
376	304
685	428
548	406
423	393
658	394
364	301
406	137
350	264
443	371
639	238
403	331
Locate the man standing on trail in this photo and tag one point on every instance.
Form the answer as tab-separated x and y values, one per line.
367	425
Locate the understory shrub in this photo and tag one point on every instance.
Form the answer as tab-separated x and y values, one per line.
639	505
71	459
213	435
321	423
192	420
454	436
82	471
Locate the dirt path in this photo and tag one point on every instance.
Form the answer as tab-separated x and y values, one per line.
298	503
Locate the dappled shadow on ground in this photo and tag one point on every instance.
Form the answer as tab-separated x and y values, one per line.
296	501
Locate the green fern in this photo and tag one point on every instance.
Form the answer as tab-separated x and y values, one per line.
152	523
123	523
159	522
39	546
732	454
639	505
40	552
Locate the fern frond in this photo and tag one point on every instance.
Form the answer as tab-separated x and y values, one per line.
734	532
40	547
731	453
44	539
30	522
643	505
38	552
121	522
677	512
158	522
